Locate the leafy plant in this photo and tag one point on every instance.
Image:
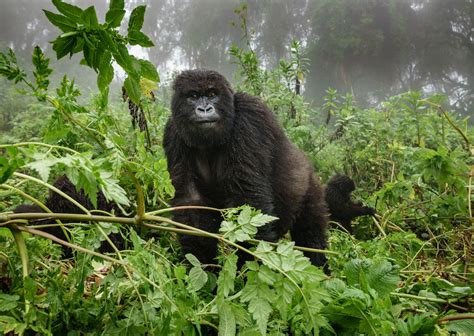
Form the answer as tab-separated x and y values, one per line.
404	272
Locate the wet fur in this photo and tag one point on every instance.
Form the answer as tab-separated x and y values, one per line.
58	204
342	208
244	159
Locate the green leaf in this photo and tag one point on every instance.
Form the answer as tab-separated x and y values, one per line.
8	302
109	44
71	11
42	70
148	71
379	275
9	67
132	86
10	325
89	56
258	295
262	219
89	18
462	327
112	190
114	17
60	21
137	37
226	280
227	326
193	260
244	216
106	72
117	4
197	279
260	310
129	63
6	169
64	46
136	18
42	166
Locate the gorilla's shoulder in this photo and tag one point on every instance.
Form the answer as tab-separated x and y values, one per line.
246	104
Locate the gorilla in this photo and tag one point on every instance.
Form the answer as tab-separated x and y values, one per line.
341	208
225	149
58	204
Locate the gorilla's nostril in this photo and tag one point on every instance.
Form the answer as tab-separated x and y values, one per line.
209	108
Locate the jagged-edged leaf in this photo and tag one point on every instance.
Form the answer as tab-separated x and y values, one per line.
112	190
226	279
8	302
43	167
463	327
244	216
227	326
258	295
9	67
262	219
379	275
42	70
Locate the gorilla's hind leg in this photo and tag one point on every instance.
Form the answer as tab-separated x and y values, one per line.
309	229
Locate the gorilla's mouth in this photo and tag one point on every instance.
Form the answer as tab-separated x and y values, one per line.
207	121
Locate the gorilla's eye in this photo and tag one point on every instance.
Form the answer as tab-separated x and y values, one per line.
211	94
193	95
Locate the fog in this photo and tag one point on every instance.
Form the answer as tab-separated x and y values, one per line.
371	48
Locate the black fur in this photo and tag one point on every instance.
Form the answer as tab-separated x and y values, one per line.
243	158
342	208
58	204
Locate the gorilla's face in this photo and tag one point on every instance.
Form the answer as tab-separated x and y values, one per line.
203	108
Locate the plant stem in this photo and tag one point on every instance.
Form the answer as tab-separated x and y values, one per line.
416	297
456	317
22	251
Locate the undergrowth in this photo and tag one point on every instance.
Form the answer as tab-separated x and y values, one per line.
407	271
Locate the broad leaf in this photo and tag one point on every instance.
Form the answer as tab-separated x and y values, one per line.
148	70
89	18
137	37
227	325
197	279
106	72
64	46
117	4
136	18
60	21
132	86
114	17
71	11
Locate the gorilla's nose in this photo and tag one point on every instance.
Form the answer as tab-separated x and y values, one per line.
209	109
